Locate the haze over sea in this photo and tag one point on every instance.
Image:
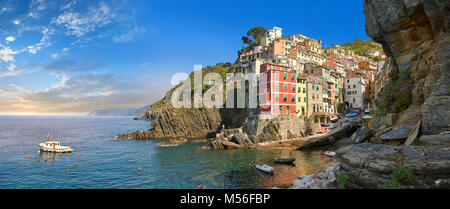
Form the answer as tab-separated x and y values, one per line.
183	166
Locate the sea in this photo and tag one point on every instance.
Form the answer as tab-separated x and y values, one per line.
99	161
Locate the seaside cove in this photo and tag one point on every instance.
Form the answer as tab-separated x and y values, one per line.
186	165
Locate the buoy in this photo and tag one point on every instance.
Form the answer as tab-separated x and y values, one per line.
84	160
45	159
70	166
68	170
76	164
78	155
29	157
127	159
139	169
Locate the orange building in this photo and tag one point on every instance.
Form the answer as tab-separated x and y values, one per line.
277	89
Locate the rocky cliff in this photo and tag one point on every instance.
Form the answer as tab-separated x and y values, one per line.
170	122
371	165
415	34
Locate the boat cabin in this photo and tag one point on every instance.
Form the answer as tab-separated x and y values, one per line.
51	143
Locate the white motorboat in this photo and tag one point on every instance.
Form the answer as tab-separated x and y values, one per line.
53	146
330	154
265	168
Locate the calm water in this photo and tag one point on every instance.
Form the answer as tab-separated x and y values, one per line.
183	166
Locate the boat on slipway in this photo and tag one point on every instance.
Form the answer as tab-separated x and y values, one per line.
53	146
264	168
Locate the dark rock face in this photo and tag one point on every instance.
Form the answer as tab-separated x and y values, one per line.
397	134
415	33
277	129
371	165
329	138
170	122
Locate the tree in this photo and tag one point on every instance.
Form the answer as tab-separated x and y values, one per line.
256	32
246	40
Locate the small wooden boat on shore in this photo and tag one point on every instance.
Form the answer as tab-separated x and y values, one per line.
264	168
53	146
323	130
330	154
284	160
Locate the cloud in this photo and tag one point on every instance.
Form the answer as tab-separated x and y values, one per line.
128	36
10	38
84	93
12	73
16	22
66	66
6	54
78	24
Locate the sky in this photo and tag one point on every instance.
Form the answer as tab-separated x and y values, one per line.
75	56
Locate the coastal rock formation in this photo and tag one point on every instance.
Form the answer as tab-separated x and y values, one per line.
371	165
414	33
329	138
322	180
169	122
277	129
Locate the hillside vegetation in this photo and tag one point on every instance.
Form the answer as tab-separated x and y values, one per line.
362	47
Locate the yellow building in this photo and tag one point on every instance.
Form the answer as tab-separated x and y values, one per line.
302	104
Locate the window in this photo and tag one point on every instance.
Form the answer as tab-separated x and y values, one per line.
277	75
276	85
348	86
281	110
293	88
304	99
285	76
304	90
277	97
288	110
285	87
293	98
354	86
353	99
293	77
303	110
299	99
285	98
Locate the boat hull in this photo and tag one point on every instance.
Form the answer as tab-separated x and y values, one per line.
284	160
265	168
55	149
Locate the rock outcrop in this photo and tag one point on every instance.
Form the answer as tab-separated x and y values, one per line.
414	33
277	129
169	122
371	165
329	138
322	180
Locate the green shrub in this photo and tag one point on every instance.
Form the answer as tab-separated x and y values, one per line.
392	185
403	102
399	177
402	174
342	180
